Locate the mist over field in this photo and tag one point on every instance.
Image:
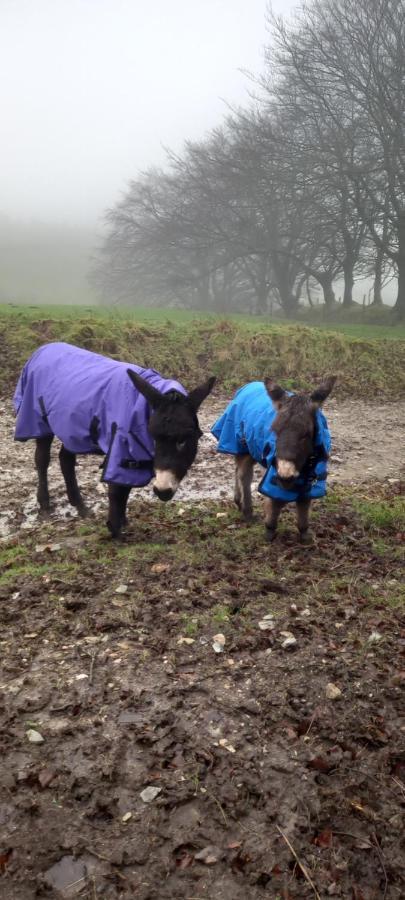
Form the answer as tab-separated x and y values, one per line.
184	155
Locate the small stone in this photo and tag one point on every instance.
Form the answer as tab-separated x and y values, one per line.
126	817
375	636
226	745
158	568
121	589
306	612
219	639
293	609
186	640
289	640
267	624
332	691
209	855
221	515
81	677
150	793
181	511
34	737
218	648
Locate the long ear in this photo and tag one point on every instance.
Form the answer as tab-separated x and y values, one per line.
322	392
276	393
199	394
153	396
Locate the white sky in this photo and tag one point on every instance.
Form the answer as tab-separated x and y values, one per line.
90	90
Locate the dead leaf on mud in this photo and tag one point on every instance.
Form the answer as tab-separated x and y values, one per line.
324	839
5	856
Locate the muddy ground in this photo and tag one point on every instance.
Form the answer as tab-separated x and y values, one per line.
259	690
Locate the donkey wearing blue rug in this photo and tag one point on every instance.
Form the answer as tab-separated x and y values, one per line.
288	435
143	424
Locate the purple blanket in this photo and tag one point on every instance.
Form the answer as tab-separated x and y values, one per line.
89	403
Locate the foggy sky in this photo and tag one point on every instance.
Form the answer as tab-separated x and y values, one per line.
91	90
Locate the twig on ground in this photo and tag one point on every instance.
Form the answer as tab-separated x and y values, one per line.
304	870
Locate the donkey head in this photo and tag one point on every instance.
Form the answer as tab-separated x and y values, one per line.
174	427
294	427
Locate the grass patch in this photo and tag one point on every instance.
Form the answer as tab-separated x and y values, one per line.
382	515
236	349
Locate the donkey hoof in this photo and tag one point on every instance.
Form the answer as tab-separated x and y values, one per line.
114	530
270	534
306	538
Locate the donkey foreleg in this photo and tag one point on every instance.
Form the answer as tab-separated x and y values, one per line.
42	460
303	507
272	510
117	504
67	462
243	484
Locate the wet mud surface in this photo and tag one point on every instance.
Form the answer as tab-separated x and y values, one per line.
191	714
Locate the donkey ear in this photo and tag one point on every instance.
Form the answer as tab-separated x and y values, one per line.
153	396
199	394
276	393
322	392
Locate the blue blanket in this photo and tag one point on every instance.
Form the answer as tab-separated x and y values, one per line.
89	403
245	427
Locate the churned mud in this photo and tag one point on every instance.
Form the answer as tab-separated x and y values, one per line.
368	442
191	714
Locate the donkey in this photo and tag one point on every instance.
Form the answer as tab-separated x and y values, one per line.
143	424
289	437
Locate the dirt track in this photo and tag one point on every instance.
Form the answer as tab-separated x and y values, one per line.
367	442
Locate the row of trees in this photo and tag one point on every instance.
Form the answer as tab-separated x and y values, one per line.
304	187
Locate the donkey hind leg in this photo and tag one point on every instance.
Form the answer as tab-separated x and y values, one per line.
117	504
272	510
243	485
303	508
42	460
67	462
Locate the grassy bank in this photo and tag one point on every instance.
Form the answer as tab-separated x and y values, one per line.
189	346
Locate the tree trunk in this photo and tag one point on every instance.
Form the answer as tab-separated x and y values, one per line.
261	298
378	275
348	270
328	293
400	304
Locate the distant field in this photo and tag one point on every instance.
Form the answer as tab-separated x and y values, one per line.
368	361
179	316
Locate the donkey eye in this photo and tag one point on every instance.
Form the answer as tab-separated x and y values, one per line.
180	445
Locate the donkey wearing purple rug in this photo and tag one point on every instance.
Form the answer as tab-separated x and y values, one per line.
142	423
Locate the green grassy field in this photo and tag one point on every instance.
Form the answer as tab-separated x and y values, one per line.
141	314
369	361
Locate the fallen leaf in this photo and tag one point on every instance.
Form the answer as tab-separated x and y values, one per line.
5	856
324	838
